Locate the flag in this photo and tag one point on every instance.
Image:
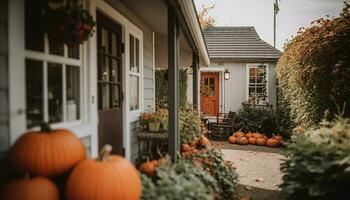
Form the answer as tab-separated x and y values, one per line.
276	7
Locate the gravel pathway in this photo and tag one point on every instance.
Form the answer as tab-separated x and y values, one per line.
258	169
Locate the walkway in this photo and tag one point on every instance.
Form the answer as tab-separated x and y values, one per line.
258	168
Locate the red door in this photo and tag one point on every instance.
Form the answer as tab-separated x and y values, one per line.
210	93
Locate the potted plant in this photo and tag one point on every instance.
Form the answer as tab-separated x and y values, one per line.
144	119
154	122
67	23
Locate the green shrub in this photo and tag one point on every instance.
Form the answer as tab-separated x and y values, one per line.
161	83
316	65
179	181
261	119
191	126
317	164
212	160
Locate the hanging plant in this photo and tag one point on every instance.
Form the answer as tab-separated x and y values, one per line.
68	23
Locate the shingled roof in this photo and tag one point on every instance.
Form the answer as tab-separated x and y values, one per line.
238	43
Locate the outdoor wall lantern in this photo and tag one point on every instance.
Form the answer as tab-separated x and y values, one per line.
226	74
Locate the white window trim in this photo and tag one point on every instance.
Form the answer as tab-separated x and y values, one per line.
254	65
128	116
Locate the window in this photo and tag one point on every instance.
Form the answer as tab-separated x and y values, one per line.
257	84
209	84
52	74
134	77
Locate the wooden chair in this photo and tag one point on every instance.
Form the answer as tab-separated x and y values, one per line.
222	129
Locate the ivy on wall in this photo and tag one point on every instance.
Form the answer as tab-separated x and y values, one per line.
161	76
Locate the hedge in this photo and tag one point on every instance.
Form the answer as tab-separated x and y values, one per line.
315	69
162	87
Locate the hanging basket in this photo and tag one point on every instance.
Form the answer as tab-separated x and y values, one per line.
70	24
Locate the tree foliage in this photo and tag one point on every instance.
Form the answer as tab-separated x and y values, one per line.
315	66
206	20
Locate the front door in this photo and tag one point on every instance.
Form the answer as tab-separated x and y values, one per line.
210	93
110	96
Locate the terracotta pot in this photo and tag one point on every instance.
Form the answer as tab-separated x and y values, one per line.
153	126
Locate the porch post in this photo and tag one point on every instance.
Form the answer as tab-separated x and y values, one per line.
173	84
195	68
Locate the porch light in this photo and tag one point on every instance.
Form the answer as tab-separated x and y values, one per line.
226	74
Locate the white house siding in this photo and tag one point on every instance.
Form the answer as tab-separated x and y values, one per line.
148	69
234	91
4	114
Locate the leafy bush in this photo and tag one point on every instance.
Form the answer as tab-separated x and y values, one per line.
162	87
179	181
191	126
316	65
212	160
254	119
317	164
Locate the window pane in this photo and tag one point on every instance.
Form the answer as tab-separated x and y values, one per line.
55	96
73	52
104	103
132	53
105	40
55	48
73	93
137	62
104	69
34	34
34	92
134	92
115	95
114	44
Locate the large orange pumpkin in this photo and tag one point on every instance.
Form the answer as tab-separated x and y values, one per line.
261	141
48	152
272	142
238	134
29	189
242	140
249	134
257	135
252	140
232	139
149	167
108	177
204	141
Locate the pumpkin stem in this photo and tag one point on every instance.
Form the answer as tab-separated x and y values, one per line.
45	127
105	152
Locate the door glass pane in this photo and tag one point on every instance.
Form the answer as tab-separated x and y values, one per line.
105	100
104	41
73	93
55	48
137	60
55	92
115	95
104	69
73	52
115	71
114	45
134	92
34	33
34	92
211	86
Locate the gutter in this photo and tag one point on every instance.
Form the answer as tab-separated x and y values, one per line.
191	17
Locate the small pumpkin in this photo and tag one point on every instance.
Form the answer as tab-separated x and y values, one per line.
257	135
242	140
107	177
185	148
249	134
48	152
278	137
232	139
252	140
149	167
204	141
261	141
273	142
239	134
29	189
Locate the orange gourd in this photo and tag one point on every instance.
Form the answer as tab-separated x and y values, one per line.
257	135
107	177
149	167
48	152
272	142
232	139
185	148
249	135
204	141
252	140
29	189
278	137
242	140
261	141
239	134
